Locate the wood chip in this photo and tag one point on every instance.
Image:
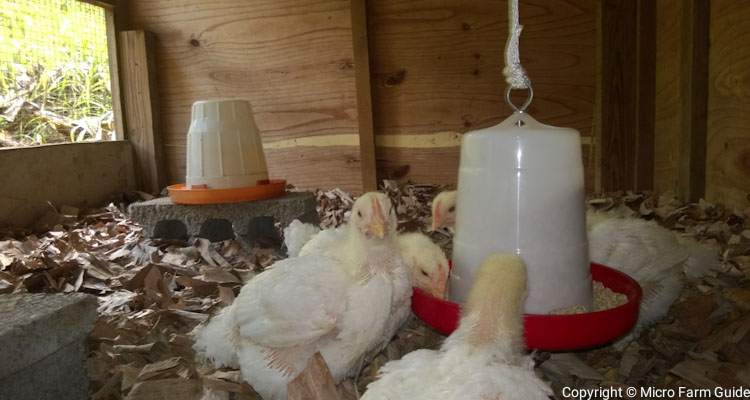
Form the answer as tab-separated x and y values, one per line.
159	369
695	372
166	389
569	364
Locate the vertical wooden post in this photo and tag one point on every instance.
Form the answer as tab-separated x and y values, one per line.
645	95
115	19
364	96
694	105
114	72
628	46
138	75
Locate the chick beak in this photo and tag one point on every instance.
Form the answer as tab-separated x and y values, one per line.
377	230
437	217
437	291
439	286
378	225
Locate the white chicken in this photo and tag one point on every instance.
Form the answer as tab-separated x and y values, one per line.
653	255
429	271
339	305
427	262
483	358
444	210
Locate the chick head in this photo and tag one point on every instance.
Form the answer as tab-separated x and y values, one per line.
374	216
444	210
427	262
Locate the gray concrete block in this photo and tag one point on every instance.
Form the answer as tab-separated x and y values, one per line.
247	221
43	345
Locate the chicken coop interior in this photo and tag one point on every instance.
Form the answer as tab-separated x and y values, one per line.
377	200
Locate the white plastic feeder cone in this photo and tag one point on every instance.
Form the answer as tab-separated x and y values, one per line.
520	190
224	148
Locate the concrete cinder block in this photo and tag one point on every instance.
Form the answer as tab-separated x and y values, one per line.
43	345
247	221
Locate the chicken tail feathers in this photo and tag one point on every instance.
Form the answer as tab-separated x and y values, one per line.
702	258
214	341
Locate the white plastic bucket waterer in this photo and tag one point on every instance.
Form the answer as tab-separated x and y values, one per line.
520	190
224	149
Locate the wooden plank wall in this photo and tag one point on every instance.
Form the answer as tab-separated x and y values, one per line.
702	106
437	73
435	67
728	148
292	59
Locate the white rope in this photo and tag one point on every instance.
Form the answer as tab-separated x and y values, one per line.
514	73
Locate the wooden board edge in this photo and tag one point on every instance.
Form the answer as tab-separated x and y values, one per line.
694	104
364	95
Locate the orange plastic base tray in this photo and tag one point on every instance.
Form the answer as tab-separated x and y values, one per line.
181	194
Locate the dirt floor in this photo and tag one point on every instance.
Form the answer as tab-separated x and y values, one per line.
154	293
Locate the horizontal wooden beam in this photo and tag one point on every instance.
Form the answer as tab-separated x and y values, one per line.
102	3
414	141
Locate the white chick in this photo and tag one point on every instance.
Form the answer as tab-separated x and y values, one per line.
427	262
373	215
483	358
299	306
654	256
429	270
444	210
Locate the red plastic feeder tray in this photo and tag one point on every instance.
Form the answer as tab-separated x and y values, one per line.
553	332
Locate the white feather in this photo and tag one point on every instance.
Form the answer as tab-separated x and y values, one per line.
324	242
296	235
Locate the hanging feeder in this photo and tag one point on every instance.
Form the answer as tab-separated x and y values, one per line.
521	191
225	159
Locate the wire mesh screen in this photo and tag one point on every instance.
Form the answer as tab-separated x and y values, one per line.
51	32
54	73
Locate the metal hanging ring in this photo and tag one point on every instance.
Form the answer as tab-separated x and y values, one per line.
525	104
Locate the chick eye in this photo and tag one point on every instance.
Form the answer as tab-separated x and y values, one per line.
453	208
423	272
359	213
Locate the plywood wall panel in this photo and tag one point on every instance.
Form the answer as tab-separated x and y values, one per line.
292	59
437	67
728	151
